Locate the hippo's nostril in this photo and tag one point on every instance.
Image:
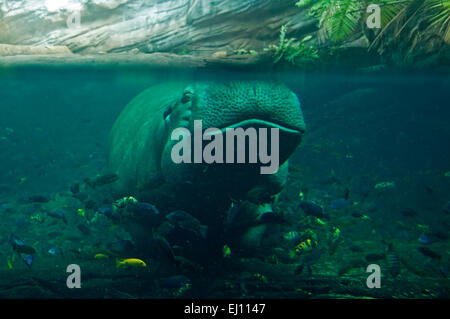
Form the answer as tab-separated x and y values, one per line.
167	113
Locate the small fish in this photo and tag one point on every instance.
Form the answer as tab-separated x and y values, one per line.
427	239
10	266
311	208
429	252
308	260
75	188
305	246
409	212
84	229
394	267
384	186
20	247
271	218
90	204
27	259
105	210
187	222
340	204
164	247
145	211
56	251
58	214
102	180
124	202
120	247
359	214
347	193
101	256
174	282
429	189
130	263
35	199
375	256
292	236
81	212
260	194
444	270
320	222
231	216
446	208
226	251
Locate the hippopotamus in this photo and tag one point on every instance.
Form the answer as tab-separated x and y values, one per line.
141	145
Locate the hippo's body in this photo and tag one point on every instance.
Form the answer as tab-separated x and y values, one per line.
140	143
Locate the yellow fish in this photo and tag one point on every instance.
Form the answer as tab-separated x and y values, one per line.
226	251
131	263
101	256
81	212
306	245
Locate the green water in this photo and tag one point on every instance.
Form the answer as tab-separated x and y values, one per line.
362	130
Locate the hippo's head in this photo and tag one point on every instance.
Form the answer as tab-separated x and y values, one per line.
146	136
234	105
142	144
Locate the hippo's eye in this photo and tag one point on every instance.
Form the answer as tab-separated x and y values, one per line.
187	97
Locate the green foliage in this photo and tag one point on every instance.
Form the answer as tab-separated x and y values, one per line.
439	16
342	18
338	18
415	22
245	52
294	51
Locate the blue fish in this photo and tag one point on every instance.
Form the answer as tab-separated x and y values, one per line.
427	239
19	246
27	259
106	210
58	214
446	208
340	203
144	209
109	211
231	217
423	239
311	208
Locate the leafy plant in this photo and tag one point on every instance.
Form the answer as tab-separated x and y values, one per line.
294	51
409	28
432	15
339	19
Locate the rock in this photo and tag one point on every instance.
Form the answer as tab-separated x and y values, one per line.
9	50
197	26
219	54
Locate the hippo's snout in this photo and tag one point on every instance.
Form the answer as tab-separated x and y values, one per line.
262	103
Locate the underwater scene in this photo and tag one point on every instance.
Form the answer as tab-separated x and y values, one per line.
179	149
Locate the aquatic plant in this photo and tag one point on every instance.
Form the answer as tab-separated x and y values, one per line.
294	51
